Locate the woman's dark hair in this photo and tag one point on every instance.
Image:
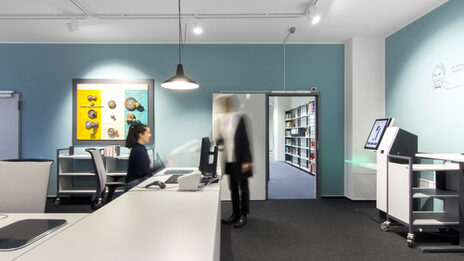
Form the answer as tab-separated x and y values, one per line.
133	134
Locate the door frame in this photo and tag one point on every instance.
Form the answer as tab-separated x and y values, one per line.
317	96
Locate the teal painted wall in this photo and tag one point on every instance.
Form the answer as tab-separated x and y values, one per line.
425	82
43	73
415	58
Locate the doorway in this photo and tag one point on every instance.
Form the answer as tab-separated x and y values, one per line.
292	146
268	170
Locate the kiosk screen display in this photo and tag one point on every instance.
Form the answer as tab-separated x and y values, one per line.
376	134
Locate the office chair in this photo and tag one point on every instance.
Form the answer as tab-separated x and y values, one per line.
102	183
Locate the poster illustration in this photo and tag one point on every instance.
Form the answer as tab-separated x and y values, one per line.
104	109
447	77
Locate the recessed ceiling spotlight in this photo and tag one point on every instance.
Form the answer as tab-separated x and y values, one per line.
316	19
197	29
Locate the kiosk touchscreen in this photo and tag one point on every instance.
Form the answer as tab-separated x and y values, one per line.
376	134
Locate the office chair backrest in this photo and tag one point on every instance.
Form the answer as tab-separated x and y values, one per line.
23	185
100	171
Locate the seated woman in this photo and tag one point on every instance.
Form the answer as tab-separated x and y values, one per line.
139	162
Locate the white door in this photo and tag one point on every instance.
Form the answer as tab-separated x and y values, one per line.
254	105
10	125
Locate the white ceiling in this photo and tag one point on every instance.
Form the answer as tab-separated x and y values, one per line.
223	21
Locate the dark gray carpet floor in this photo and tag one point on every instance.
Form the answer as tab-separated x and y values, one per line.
306	229
328	229
288	182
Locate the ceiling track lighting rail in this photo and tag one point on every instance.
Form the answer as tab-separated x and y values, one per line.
155	16
150	16
82	8
43	17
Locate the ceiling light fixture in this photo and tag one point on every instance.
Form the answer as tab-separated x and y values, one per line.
180	81
316	19
313	13
197	29
72	25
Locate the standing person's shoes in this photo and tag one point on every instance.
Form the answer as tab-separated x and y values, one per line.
241	221
232	219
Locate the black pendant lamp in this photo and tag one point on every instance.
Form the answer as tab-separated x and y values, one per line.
180	81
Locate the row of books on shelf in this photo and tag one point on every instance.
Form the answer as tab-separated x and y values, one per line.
312	132
301	143
301	122
295	149
295	132
303	110
312	120
311	168
292	152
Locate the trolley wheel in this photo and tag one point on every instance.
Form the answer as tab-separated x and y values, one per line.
57	202
410	240
385	226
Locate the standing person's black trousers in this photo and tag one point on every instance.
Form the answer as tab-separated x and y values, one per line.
238	184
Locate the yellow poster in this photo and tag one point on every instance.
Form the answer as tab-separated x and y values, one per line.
88	114
105	110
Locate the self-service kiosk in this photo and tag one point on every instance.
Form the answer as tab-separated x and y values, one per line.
386	140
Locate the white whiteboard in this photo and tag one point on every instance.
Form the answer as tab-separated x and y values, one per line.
254	105
10	127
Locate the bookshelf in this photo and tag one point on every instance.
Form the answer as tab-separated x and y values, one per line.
76	173
300	137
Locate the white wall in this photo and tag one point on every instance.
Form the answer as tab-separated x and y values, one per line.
271	124
364	102
281	104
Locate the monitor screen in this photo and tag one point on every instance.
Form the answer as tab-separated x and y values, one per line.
376	134
204	154
208	159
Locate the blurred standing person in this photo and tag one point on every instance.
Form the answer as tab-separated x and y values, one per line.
231	133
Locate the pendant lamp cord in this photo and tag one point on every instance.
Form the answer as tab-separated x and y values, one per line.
180	36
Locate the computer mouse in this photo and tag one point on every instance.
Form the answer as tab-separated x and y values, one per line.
161	184
158	183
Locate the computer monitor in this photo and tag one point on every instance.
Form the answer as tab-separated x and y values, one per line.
208	166
376	134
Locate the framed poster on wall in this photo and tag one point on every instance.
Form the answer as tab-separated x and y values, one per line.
103	109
